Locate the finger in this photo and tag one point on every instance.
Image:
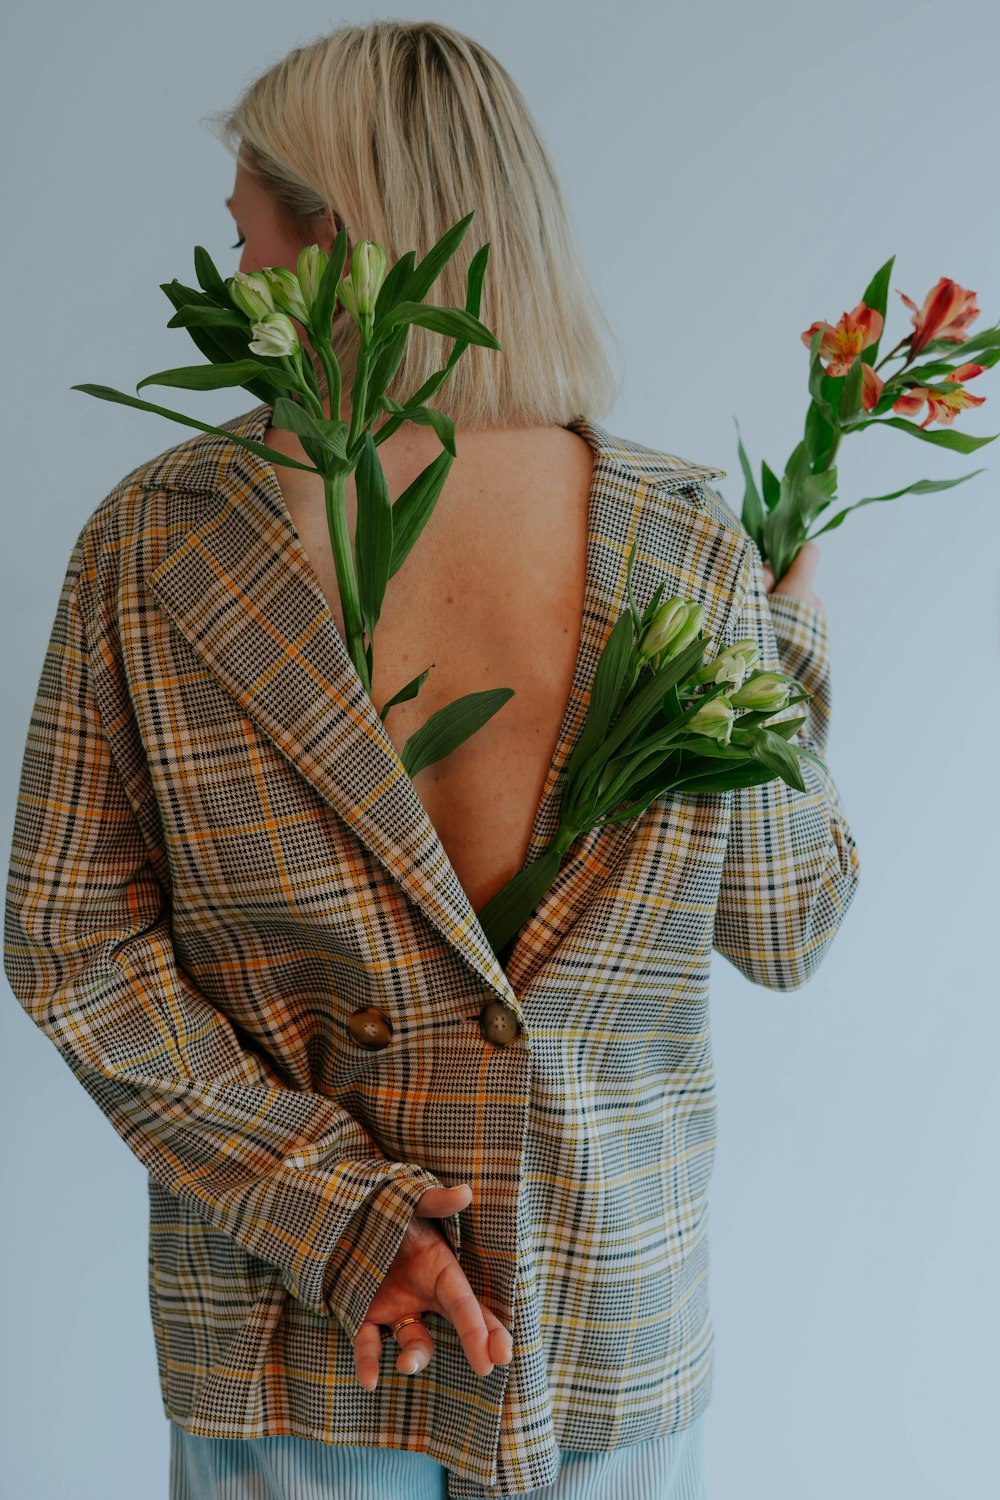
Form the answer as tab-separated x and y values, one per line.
441	1203
459	1304
368	1355
415	1348
499	1342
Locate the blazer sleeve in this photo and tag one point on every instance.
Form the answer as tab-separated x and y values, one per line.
791	865
287	1174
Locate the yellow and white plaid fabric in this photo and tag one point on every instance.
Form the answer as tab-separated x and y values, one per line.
218	857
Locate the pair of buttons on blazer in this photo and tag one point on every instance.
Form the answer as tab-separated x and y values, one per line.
371	1029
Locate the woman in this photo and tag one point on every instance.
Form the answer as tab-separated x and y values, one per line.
256	945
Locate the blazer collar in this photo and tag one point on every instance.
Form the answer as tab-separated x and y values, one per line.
240	589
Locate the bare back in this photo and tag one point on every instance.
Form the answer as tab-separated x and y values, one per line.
491	595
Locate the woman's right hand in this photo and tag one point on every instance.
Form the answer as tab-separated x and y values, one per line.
426	1277
797	580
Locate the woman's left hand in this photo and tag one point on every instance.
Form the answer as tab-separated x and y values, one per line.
425	1276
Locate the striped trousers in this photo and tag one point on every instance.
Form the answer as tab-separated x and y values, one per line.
292	1468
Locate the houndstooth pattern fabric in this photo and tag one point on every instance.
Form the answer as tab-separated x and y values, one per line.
218	857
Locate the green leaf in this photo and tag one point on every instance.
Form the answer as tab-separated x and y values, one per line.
701	744
320	449
632	606
820	439
385	364
817	379
451	726
751	773
413	507
209	279
775	752
326	438
507	911
395	286
107	393
770	485
207	315
427	272
876	296
373	534
786	728
920	487
961	442
444	426
321	312
986	338
783	526
189	296
647	698
473	296
752	514
653	604
453	322
221	344
850	396
474	277
411	690
922	374
605	693
208	377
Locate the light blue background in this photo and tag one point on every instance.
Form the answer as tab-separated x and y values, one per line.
734	172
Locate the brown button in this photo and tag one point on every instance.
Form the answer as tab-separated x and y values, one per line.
370	1028
499	1023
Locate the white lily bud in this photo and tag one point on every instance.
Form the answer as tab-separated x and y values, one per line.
310	269
765	690
275	336
685	634
368	267
731	665
346	298
249	291
286	292
714	720
671	614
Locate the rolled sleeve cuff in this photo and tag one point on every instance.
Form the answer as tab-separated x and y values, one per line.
365	1251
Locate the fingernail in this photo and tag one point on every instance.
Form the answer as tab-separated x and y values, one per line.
408	1364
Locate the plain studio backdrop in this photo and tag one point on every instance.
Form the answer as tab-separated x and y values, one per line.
734	172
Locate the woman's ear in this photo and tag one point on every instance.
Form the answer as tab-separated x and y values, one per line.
325	225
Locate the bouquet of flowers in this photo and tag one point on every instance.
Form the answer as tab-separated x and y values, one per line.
659	719
244	328
849	395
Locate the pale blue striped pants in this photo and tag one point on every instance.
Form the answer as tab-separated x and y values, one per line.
293	1468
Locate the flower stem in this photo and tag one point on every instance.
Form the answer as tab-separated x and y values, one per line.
359	400
892	352
335	490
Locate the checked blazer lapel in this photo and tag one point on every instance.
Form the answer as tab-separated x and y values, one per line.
242	592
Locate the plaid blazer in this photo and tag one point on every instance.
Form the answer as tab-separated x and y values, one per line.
218	860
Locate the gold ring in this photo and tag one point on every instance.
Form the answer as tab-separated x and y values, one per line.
403	1322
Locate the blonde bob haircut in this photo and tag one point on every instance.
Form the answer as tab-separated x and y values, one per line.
398	129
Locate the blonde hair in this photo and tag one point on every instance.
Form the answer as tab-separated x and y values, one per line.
399	129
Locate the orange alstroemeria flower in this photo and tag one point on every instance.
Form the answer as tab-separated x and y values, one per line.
946	314
871	386
942	406
842	344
